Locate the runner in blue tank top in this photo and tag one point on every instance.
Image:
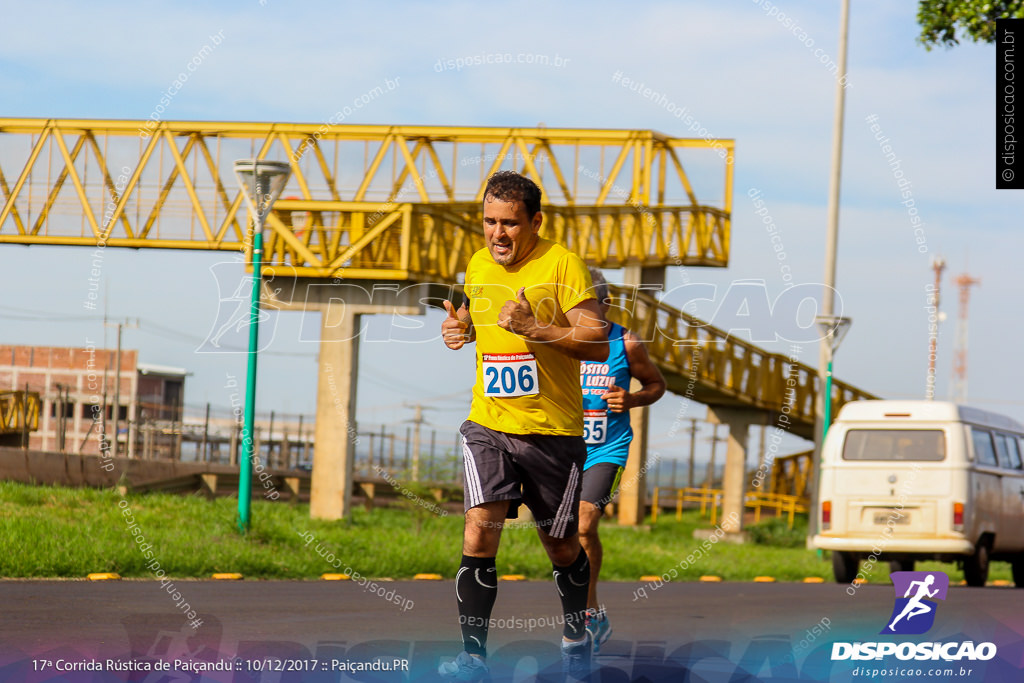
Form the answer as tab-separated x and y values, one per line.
606	404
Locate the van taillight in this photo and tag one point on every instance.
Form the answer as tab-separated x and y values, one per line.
958	516
826	514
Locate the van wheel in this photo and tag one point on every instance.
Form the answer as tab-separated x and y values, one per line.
844	566
901	566
1018	570
976	566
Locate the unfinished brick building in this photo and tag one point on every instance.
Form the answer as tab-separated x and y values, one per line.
79	388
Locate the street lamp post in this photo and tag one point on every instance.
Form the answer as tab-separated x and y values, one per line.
261	182
831	247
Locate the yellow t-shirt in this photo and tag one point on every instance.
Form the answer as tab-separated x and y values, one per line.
525	387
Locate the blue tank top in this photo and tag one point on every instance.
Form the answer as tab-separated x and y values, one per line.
607	434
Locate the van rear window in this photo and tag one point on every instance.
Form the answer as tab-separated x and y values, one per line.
894	444
983	451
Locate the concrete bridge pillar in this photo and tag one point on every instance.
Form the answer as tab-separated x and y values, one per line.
734	482
341	307
335	436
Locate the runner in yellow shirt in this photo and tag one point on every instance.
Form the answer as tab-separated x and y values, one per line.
533	316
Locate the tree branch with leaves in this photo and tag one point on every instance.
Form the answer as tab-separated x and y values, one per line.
946	22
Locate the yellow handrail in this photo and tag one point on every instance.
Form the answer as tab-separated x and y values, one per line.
710	501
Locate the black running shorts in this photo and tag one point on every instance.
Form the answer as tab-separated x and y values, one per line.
543	471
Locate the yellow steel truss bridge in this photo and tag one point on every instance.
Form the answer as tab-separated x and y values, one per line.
393	202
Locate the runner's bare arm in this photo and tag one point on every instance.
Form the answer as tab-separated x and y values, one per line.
584	339
641	367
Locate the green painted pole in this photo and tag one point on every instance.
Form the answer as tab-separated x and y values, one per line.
826	421
828	401
248	454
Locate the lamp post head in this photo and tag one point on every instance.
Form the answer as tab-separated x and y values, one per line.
261	182
834	328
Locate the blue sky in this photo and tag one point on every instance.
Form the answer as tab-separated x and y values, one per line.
740	71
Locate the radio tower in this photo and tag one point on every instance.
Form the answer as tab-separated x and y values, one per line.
964	282
938	265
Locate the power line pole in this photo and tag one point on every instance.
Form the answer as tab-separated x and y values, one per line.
117	378
270	441
433	439
417	420
408	440
61	422
206	433
709	480
693	450
300	449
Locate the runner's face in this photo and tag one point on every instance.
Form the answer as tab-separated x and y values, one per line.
509	231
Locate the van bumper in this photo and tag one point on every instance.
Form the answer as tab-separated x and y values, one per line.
924	546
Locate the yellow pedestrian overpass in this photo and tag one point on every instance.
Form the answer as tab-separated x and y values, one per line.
377	203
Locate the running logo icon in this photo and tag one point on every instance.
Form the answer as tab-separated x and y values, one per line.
914	612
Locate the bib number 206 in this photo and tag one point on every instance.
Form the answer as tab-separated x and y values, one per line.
509	374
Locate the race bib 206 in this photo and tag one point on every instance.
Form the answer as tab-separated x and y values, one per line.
509	374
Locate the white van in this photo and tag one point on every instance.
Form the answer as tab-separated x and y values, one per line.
916	480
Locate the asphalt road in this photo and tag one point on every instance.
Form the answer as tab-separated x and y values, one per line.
311	631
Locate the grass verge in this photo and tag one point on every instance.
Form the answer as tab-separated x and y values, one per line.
50	531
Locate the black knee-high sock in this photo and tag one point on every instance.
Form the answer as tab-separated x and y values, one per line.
573	583
476	587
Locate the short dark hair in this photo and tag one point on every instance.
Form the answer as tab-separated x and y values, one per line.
509	186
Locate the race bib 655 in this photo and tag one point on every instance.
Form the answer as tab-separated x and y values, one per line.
595	426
